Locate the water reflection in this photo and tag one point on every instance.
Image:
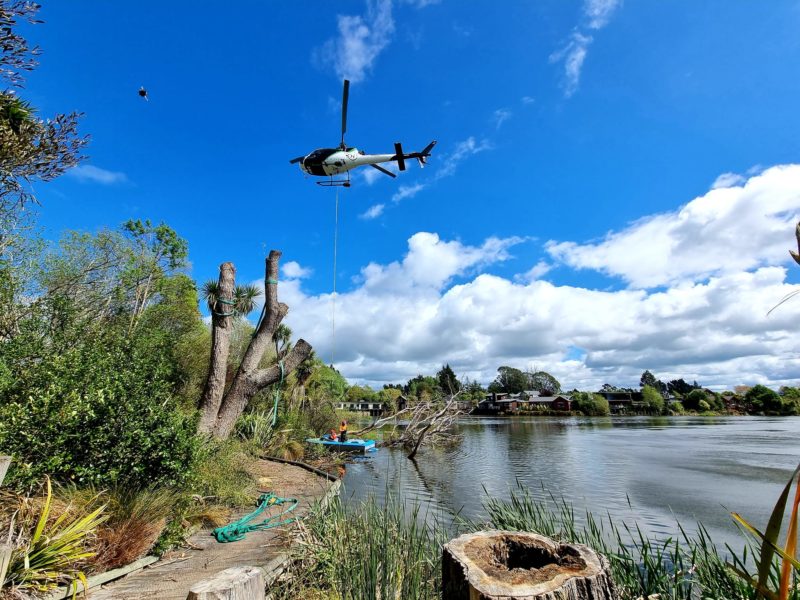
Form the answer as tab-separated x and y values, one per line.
690	469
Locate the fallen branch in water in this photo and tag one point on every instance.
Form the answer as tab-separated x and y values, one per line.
430	423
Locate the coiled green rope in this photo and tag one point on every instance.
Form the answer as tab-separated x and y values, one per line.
238	529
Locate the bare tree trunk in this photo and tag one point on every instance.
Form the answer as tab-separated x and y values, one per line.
221	325
249	379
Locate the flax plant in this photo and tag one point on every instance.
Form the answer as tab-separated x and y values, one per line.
764	581
54	551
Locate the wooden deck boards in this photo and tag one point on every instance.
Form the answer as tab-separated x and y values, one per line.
171	577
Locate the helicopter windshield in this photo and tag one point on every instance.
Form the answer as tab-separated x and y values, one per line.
320	154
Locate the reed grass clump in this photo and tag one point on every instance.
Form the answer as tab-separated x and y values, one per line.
372	552
681	567
368	552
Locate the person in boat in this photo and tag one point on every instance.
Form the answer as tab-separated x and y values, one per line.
343	431
333	435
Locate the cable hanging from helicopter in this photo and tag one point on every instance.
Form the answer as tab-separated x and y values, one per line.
328	162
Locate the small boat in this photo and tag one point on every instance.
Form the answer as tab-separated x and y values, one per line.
351	445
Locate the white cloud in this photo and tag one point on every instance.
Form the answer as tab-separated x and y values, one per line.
727	180
465	149
293	270
439	303
94	174
372	175
537	271
500	116
373	212
528	100
726	230
598	12
421	3
572	55
360	42
407	191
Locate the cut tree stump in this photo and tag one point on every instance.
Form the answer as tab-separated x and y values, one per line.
237	583
5	557
510	565
5	461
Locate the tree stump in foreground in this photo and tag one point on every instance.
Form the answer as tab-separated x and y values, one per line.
237	583
5	461
509	565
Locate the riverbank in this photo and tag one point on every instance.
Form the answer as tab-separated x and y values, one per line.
399	552
202	556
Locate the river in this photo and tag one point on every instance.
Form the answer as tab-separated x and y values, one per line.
655	471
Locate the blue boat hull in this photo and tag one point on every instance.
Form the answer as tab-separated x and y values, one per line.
354	445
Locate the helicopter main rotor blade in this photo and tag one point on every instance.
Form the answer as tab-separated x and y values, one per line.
345	96
382	170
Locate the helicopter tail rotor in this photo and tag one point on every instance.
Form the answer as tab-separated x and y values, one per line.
399	156
426	152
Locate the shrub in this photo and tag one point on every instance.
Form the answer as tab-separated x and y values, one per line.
592	405
653	399
99	412
693	399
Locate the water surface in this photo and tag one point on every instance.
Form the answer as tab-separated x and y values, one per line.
654	471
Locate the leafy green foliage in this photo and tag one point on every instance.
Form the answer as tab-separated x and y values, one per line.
653	400
326	383
592	405
31	148
760	398
543	382
101	411
86	395
448	382
509	380
51	555
358	393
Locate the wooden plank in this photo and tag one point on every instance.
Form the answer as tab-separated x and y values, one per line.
5	461
237	583
102	578
5	556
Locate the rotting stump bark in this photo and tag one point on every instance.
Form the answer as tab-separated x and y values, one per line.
507	565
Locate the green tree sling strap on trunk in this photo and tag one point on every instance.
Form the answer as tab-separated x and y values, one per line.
238	529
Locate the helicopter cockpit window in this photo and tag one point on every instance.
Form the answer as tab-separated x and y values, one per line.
320	154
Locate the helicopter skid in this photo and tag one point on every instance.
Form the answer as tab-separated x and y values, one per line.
334	183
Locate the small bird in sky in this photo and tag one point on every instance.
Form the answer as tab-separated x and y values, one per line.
143	93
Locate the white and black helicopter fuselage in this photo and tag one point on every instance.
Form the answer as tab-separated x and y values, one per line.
329	162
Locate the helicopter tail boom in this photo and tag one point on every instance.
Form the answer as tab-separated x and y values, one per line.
422	156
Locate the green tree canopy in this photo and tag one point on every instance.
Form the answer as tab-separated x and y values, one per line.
653	400
361	393
761	398
326	383
593	405
692	400
543	382
509	380
448	382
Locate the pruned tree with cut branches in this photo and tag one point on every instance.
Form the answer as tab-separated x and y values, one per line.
222	402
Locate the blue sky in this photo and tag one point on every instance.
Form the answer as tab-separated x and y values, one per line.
566	220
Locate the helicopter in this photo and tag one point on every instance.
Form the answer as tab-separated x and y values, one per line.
327	162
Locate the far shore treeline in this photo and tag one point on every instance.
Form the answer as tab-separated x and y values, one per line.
652	396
